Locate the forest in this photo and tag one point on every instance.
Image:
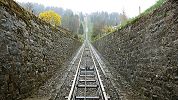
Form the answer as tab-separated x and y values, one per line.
98	22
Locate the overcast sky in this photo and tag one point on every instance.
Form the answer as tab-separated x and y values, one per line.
131	7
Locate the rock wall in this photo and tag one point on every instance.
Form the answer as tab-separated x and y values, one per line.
145	55
30	51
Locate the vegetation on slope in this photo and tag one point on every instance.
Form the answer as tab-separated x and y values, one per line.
51	17
103	21
149	10
27	16
132	20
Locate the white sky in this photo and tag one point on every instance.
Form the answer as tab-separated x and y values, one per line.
131	7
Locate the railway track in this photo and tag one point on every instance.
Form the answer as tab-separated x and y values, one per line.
87	83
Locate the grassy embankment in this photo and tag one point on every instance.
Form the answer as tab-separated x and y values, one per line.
132	20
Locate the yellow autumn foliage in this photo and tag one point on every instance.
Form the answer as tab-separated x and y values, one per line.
51	17
108	29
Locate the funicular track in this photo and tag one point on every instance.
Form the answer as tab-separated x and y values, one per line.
87	83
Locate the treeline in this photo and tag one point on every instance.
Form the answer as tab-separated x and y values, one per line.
98	23
69	20
103	22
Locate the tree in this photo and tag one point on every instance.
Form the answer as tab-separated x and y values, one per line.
71	21
76	36
81	30
103	22
123	17
51	17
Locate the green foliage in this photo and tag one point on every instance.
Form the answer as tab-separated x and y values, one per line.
105	23
157	5
149	10
81	30
99	20
123	17
79	37
132	20
76	36
71	21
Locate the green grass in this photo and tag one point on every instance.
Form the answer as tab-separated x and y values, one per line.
148	11
133	20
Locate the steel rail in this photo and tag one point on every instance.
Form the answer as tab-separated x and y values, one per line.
97	72
98	60
75	78
98	80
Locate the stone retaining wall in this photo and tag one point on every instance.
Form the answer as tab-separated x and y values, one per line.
30	51
145	54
